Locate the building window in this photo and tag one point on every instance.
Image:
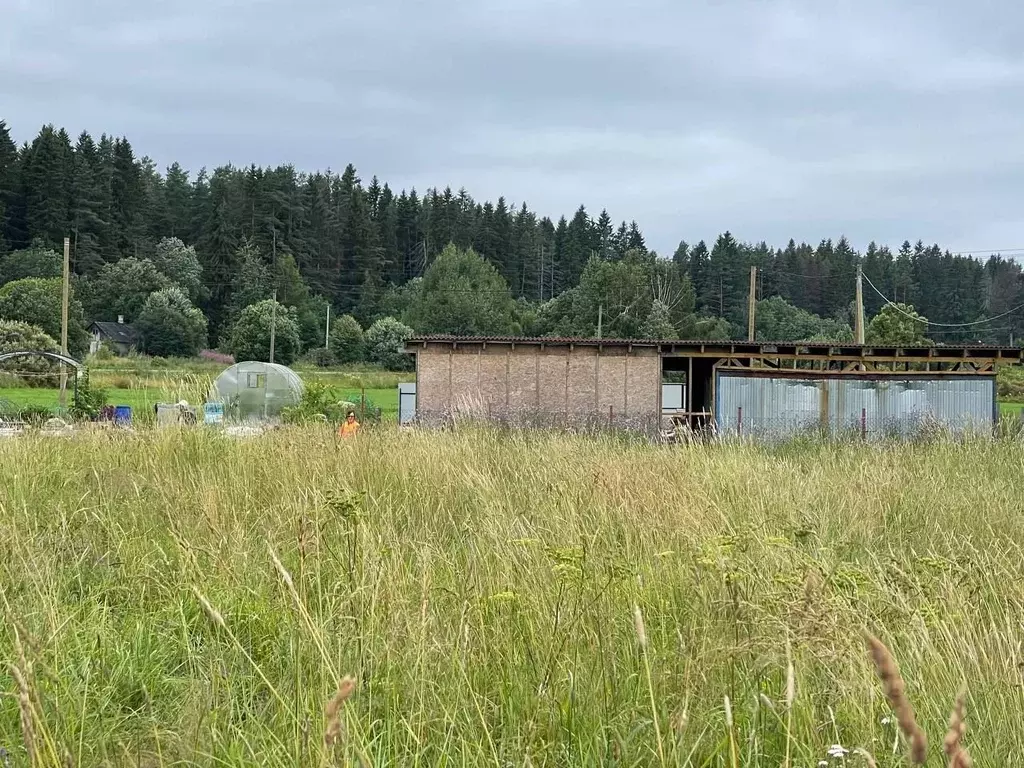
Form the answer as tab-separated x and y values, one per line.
256	380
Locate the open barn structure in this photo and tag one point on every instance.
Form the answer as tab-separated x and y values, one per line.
769	389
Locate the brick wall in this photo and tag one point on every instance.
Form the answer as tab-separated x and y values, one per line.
498	379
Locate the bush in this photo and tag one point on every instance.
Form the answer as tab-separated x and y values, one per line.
250	336
35	371
37	301
122	288
35	261
89	401
170	326
347	342
321	357
180	264
217	357
385	344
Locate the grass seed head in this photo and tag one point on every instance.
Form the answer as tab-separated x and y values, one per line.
638	622
28	732
333	728
895	691
952	744
211	613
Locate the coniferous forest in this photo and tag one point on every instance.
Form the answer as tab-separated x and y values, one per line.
436	260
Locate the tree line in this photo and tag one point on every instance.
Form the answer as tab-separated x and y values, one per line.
211	249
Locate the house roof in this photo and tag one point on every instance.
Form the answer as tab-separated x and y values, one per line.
119	333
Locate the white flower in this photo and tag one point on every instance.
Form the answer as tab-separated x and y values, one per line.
886	720
837	750
823	764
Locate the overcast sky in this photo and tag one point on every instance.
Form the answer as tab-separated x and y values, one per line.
771	119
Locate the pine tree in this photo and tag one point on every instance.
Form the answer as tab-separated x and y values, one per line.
87	226
178	199
12	233
605	234
46	177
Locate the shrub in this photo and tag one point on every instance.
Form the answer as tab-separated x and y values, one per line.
347	342
250	336
385	344
322	357
170	326
16	336
217	357
37	301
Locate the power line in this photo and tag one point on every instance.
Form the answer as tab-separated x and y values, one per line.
939	325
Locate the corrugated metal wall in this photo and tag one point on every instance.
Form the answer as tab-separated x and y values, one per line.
784	406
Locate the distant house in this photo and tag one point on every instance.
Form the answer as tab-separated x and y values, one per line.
120	337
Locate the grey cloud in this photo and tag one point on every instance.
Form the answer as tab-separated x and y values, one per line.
774	120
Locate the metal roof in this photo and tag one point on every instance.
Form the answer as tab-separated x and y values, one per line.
733	344
120	333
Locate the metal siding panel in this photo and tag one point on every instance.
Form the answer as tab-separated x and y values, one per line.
406	402
783	406
771	407
903	406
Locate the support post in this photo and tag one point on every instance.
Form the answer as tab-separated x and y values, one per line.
739	421
863	423
600	317
64	322
751	303
273	325
327	333
859	311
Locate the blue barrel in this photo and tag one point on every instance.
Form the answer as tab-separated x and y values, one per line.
122	414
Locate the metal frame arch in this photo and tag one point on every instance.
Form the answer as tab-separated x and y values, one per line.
40	353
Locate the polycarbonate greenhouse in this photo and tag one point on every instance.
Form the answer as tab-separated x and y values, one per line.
254	391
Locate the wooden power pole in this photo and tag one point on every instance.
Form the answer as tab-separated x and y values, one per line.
64	322
858	319
751	303
273	325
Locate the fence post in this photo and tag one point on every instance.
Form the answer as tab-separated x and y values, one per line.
739	421
611	415
863	423
362	403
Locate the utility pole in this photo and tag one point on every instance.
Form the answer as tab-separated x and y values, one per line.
751	303
64	322
600	313
273	309
327	333
273	325
859	311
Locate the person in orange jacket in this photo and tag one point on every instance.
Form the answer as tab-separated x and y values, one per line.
350	426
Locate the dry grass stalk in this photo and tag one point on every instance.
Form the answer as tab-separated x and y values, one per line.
868	759
333	729
952	745
211	613
895	691
28	732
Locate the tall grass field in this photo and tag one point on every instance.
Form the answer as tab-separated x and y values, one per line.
477	598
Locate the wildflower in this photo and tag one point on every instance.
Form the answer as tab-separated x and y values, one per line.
823	764
837	750
886	720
